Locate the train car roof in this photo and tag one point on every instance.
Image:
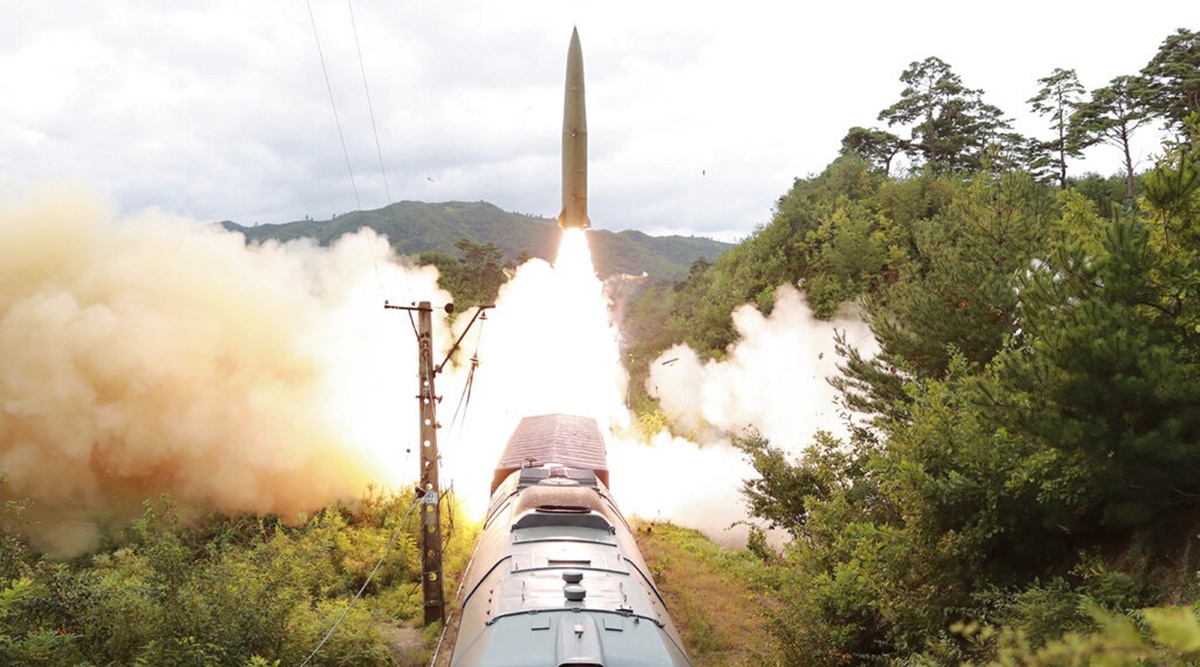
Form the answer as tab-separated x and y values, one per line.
557	581
567	440
573	639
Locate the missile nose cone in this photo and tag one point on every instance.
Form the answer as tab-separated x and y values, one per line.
574	148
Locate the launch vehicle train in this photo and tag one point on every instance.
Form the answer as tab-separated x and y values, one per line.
557	579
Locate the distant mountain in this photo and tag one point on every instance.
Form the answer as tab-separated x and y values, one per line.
417	227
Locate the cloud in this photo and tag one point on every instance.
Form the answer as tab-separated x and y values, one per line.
221	111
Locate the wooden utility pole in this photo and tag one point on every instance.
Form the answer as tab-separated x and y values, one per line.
430	491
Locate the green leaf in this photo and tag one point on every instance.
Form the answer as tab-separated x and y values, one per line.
1175	627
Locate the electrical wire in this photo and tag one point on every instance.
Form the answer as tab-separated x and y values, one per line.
370	109
396	534
358	202
464	399
387	188
413	322
374	130
336	119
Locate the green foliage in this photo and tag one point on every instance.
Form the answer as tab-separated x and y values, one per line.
953	129
21	643
875	146
1108	193
699	317
784	490
850	253
1112	115
225	591
1103	374
1058	98
12	549
475	277
954	291
643	321
1173	79
1172	190
1039	612
1159	636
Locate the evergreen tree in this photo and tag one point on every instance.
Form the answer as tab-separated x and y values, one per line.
1113	114
1103	374
1058	98
952	127
954	294
878	147
1172	78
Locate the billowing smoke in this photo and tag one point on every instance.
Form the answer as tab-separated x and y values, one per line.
773	379
151	355
550	347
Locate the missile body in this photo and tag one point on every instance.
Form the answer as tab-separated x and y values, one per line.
574	148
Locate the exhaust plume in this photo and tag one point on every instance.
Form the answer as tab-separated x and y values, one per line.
150	355
549	346
773	379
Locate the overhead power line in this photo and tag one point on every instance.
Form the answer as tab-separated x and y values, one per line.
336	119
370	108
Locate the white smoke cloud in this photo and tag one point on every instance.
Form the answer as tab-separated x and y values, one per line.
148	355
675	479
773	379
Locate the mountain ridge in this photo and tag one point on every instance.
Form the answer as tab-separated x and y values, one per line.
414	227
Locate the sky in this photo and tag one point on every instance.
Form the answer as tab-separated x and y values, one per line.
700	115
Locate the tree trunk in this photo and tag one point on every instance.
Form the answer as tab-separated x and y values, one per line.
1128	165
1062	158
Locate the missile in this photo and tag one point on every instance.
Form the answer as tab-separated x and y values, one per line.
574	147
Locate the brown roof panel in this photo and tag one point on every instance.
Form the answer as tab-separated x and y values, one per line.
568	440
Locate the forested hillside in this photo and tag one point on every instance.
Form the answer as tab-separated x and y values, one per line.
1026	452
